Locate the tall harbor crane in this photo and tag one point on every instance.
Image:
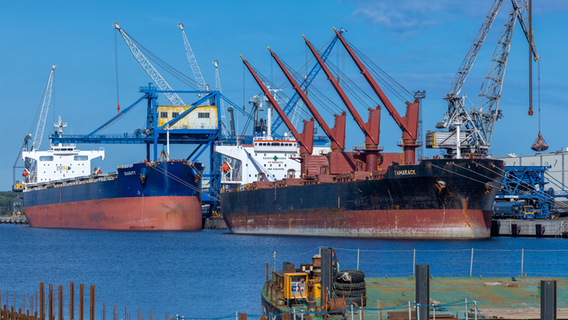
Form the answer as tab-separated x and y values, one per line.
470	130
149	68
37	137
201	86
224	128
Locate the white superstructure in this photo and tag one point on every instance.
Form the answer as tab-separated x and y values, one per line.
274	158
62	161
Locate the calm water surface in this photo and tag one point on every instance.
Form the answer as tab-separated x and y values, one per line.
215	273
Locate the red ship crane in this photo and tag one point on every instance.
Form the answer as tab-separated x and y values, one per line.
306	139
337	134
408	124
371	129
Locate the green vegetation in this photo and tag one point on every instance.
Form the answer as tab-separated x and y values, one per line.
7	202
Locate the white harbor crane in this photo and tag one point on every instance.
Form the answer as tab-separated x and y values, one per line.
201	86
470	129
221	103
149	68
37	137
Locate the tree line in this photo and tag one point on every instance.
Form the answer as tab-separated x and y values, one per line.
7	202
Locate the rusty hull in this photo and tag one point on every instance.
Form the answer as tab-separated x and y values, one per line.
437	199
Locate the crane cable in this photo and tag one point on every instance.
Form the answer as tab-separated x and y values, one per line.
116	69
530	60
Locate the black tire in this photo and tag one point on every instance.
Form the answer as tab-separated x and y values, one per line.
350	276
349	286
356	300
350	293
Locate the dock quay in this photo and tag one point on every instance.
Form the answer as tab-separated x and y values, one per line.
555	228
14	220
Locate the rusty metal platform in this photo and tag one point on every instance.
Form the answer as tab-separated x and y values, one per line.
504	298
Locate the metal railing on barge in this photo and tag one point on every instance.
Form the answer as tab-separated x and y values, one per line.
446	263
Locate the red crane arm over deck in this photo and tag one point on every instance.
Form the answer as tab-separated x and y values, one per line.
372	129
392	111
337	135
408	124
303	139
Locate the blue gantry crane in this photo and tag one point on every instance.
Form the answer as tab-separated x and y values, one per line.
178	123
526	186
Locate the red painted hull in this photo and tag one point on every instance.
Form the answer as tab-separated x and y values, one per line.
396	224
166	213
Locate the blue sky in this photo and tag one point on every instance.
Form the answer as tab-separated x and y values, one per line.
419	43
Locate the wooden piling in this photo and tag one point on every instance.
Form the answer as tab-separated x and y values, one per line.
50	298
81	301
60	302
41	301
92	307
71	301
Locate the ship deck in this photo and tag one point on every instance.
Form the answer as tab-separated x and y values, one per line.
496	298
504	298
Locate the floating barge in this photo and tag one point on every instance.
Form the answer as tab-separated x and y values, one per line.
320	290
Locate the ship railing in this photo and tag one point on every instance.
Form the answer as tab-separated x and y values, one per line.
467	262
72	181
469	307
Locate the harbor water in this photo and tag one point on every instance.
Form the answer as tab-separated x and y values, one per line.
213	274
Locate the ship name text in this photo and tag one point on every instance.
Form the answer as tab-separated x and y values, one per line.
404	172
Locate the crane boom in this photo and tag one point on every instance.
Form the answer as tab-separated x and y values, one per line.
342	95
467	63
193	62
38	136
304	147
470	129
293	103
149	68
221	103
337	138
378	91
526	29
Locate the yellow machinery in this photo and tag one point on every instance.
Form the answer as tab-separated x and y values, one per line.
295	285
314	289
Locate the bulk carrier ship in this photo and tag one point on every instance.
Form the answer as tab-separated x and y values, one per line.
63	192
361	193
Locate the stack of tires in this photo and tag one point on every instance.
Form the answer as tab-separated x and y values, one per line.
350	285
